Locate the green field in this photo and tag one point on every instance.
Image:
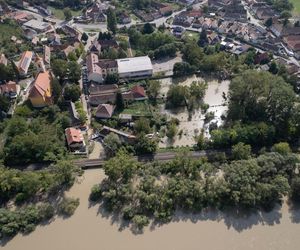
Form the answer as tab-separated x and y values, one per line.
59	13
296	4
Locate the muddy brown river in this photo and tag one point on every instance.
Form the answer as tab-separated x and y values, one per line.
89	229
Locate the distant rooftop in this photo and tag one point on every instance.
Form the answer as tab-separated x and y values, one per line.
134	64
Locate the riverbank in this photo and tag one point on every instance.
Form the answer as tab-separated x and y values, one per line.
90	229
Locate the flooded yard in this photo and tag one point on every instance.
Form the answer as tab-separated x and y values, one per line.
192	126
90	228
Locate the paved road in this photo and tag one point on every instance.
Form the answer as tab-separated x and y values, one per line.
161	157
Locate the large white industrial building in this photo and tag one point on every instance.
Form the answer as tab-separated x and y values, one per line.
135	67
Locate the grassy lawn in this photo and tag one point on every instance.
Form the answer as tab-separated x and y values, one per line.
7	31
191	35
138	108
296	4
59	13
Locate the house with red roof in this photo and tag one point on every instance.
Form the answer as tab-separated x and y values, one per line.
24	63
10	89
40	94
75	139
104	111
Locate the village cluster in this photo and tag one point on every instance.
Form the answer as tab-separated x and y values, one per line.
227	23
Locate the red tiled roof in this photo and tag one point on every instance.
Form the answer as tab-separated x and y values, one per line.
138	91
73	135
8	87
105	111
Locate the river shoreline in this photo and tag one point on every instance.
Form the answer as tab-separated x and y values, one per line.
91	228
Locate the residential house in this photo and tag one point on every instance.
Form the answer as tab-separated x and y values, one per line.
178	31
137	93
30	33
101	94
38	26
104	111
75	139
166	10
183	20
10	89
95	12
124	18
40	94
277	29
21	17
99	69
293	43
108	44
95	47
24	63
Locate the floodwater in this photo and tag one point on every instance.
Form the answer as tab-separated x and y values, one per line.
90	229
191	126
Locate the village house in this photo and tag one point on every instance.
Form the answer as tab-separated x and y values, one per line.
21	17
100	94
104	111
38	26
40	95
108	44
137	93
75	139
24	63
99	69
124	18
183	20
10	90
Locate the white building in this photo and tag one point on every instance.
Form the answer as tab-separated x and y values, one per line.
135	67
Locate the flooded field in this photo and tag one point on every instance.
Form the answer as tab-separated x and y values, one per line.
193	125
90	229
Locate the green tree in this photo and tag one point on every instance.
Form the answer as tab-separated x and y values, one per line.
112	79
153	89
111	144
4	104
119	102
56	90
177	96
203	40
72	92
68	14
241	151
269	22
145	145
142	125
60	68
74	72
148	28
111	20
282	148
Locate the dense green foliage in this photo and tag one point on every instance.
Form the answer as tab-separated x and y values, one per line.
156	190
155	44
31	186
34	140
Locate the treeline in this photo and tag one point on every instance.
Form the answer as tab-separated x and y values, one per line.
263	110
34	136
140	192
34	189
156	44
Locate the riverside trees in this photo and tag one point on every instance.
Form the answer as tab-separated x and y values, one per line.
140	192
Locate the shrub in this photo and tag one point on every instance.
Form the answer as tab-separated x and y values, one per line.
68	206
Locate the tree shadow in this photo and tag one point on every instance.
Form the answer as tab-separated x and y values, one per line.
294	210
235	218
